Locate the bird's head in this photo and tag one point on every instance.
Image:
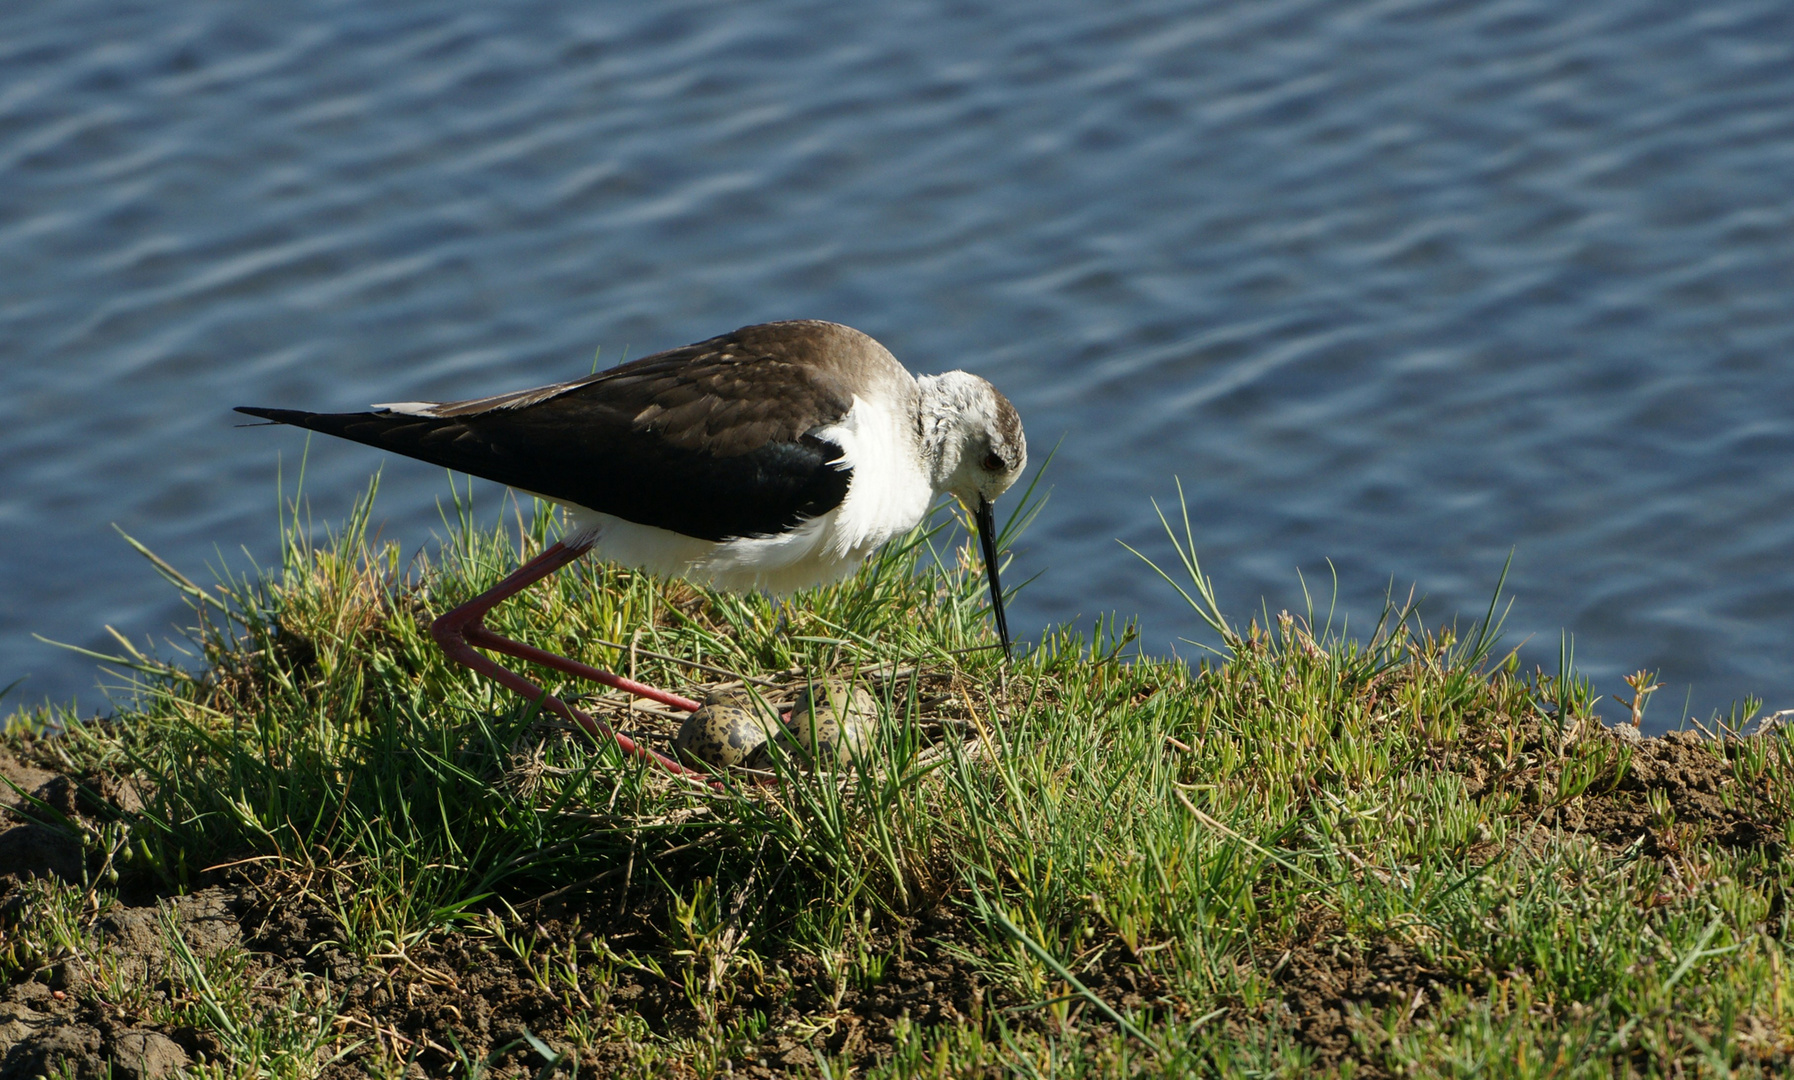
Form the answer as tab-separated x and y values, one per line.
972	440
971	437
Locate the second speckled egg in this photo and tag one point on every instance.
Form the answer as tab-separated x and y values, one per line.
830	723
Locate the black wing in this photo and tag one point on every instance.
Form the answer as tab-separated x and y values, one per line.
714	440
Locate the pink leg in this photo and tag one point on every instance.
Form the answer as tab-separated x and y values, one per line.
483	638
460	630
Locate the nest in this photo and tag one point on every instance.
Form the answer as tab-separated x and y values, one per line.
937	701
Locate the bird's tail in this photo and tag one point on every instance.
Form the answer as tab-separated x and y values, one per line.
444	442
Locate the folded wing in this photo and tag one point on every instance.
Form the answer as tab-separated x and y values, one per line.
714	440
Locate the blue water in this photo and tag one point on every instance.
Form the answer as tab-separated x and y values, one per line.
1403	286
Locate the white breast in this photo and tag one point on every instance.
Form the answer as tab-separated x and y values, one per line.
888	495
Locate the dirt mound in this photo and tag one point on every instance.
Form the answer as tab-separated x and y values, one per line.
36	808
466	997
1323	985
463	998
59	1023
117	997
1661	794
493	995
462	994
1665	792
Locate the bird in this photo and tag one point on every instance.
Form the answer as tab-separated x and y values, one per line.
772	458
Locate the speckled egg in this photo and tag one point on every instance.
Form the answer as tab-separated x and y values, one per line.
830	722
730	727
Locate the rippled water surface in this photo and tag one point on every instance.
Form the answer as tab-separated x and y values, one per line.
1399	285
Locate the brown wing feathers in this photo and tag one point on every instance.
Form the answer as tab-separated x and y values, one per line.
715	440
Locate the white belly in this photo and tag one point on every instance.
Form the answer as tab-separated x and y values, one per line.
775	564
887	497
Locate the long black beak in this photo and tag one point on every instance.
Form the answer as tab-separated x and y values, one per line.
987	536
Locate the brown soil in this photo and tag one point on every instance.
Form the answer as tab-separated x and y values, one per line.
1692	775
47	1022
463	994
487	1000
466	994
1324	978
1324	982
30	841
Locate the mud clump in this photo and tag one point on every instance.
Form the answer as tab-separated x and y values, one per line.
62	1022
36	806
463	992
121	1002
466	996
1664	795
1336	995
1667	792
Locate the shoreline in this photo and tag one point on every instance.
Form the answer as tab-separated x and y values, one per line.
328	853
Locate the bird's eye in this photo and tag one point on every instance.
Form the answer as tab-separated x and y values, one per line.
993	462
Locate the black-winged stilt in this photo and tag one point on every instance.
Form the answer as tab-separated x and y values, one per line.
776	457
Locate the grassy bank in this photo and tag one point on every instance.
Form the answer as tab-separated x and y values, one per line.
324	851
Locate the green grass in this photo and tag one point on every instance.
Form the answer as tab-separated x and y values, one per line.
1312	853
